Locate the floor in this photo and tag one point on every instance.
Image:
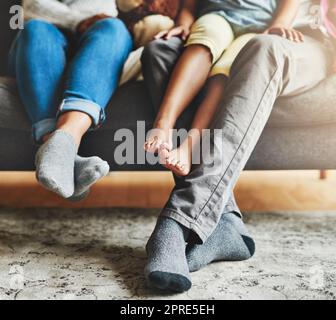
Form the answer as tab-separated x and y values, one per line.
269	191
98	254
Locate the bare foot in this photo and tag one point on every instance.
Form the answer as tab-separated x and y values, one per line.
158	138
178	160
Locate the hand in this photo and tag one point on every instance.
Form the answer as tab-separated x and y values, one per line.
84	25
180	31
287	33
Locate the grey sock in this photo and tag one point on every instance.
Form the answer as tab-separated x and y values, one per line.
229	242
167	267
55	161
87	172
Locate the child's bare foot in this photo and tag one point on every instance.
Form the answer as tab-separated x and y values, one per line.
178	160
158	138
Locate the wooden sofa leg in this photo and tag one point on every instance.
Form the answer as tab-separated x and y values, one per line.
323	174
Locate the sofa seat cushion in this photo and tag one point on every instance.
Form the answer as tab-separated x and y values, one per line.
12	113
131	104
314	107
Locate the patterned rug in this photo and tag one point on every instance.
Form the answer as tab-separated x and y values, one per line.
99	254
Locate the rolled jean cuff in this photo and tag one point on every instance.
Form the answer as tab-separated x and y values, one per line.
43	127
92	109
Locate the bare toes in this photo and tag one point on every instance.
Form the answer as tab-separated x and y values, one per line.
176	170
151	145
156	146
179	165
147	146
163	155
174	162
166	146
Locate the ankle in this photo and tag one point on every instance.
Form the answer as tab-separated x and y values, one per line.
46	137
172	222
75	123
164	123
76	134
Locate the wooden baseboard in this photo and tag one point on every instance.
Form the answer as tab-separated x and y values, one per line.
255	191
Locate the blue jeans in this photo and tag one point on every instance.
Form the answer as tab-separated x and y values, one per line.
52	81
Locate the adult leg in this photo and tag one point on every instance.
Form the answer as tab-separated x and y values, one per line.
93	76
267	67
158	60
91	79
229	242
107	63
38	61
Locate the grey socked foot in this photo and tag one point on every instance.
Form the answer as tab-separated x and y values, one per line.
88	171
55	161
229	242
167	267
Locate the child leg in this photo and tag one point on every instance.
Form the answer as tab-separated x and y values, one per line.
180	159
203	48
39	67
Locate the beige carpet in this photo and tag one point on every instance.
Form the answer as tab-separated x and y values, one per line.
98	254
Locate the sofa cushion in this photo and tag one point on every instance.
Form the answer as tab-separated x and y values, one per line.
295	147
131	104
12	114
314	107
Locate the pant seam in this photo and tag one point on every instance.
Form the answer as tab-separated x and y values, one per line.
186	221
187	218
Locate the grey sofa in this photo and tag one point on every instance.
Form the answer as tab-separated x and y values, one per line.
301	133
